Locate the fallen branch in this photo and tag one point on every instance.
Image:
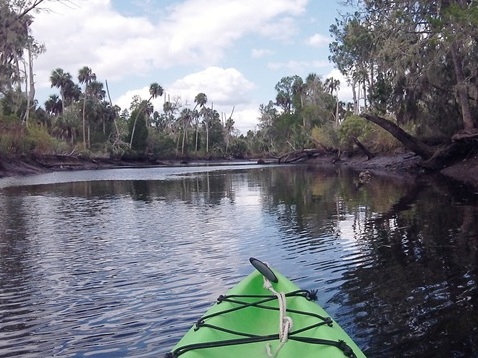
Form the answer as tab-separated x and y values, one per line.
299	155
368	153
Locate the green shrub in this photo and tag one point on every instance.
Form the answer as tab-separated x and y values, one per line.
39	140
161	144
140	131
372	136
325	136
12	138
237	148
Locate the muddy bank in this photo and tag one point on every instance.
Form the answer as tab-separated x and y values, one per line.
465	171
29	165
38	164
404	164
408	165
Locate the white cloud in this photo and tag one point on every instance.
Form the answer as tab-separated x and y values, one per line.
298	66
92	34
260	52
199	28
194	31
124	101
246	119
281	29
318	40
225	88
345	91
128	49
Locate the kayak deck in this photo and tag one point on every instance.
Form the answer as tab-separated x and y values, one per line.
246	322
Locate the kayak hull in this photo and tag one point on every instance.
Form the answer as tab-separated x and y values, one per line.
249	326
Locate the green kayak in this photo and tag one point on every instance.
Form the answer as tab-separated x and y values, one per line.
265	315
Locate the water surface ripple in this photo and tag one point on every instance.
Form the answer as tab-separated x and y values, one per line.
121	263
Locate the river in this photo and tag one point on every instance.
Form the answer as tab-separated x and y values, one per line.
121	262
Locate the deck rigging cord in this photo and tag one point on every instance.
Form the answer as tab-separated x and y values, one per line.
285	322
247	338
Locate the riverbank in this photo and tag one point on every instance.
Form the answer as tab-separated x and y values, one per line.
465	171
409	164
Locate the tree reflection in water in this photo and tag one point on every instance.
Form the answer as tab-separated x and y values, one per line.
394	259
416	289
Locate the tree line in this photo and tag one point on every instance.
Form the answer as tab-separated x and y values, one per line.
412	67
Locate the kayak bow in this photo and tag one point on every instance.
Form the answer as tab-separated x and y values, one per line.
266	315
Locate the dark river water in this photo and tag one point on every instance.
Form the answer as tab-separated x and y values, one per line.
116	263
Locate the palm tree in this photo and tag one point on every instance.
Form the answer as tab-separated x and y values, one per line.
299	88
97	91
333	85
155	90
85	76
168	109
97	94
60	79
200	100
186	116
66	125
53	105
72	93
148	110
208	114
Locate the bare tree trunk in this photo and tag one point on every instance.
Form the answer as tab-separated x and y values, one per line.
185	131
31	93
197	135
178	139
461	89
29	85
111	104
18	78
365	94
84	120
206	126
26	115
337	109
355	97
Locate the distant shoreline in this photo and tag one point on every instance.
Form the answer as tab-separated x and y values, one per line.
465	171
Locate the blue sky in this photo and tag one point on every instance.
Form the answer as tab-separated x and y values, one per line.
234	51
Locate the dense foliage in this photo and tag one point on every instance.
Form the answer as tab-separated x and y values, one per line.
414	63
414	60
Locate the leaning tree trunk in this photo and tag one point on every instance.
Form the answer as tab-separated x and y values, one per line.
410	142
111	104
364	149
